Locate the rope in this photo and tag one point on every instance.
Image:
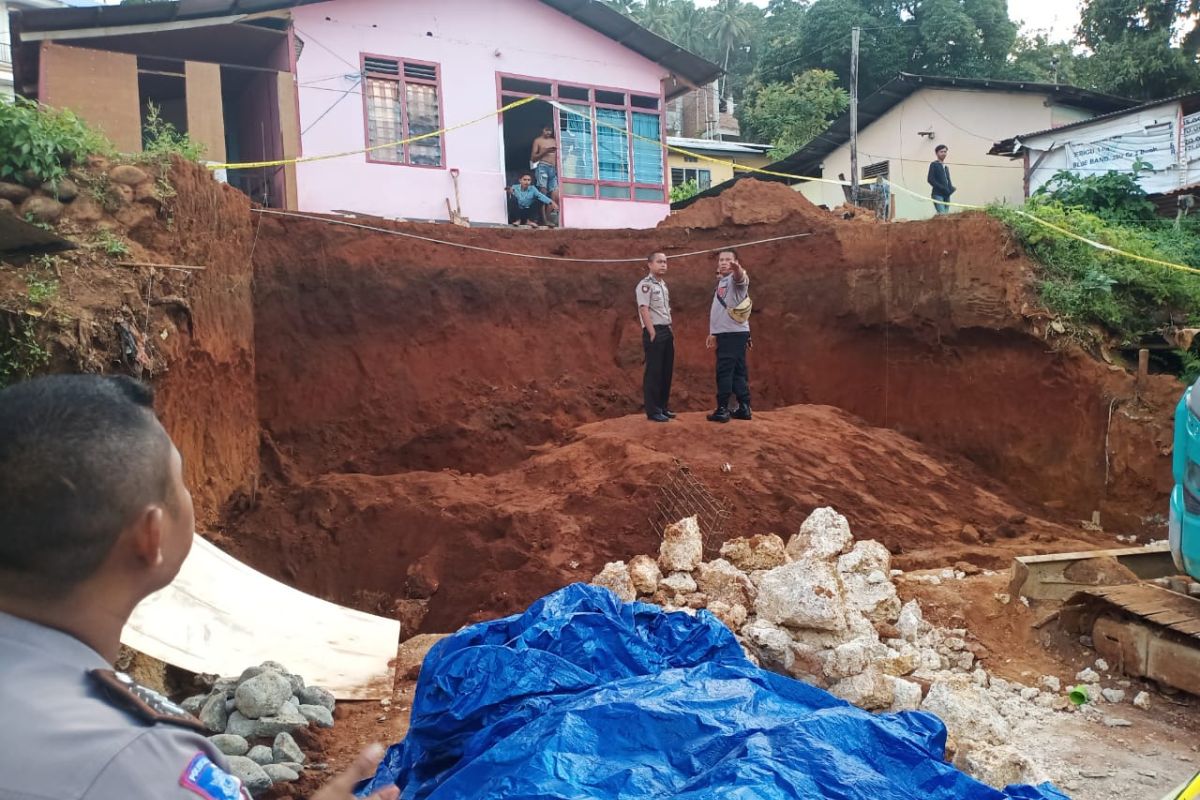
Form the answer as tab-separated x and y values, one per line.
538	257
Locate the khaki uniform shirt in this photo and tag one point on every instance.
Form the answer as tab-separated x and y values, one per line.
68	737
652	293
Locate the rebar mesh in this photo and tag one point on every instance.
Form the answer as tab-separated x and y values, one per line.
685	495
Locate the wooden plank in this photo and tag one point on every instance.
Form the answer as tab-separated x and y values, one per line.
220	616
289	126
98	85
205	110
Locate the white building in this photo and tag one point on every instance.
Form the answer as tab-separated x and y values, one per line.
6	57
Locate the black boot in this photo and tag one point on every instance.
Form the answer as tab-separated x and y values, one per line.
743	412
720	415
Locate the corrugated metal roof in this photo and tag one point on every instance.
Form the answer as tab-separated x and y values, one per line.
807	160
714	146
1011	146
687	66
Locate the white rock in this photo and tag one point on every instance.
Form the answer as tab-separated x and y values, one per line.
1051	683
756	552
870	689
722	581
803	594
772	643
910	620
964	661
615	578
1116	722
998	765
1029	693
823	536
980	677
1142	700
1113	695
645	574
946	574
682	546
848	659
1087	676
877	601
906	695
1045	701
967	710
734	616
864	558
1101	665
877	577
955	643
898	661
1003	598
679	583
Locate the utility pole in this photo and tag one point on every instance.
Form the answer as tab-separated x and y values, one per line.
854	114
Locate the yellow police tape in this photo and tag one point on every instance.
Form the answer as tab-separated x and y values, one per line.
699	157
280	162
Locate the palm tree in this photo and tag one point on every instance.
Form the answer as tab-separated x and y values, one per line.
657	16
732	28
626	7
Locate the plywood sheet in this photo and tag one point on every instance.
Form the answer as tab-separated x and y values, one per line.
205	113
220	616
289	125
100	86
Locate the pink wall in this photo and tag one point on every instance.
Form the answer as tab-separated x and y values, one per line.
471	41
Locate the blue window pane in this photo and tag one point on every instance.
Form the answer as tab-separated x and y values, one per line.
612	143
576	143
647	155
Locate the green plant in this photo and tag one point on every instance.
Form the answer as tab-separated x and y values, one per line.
1113	195
41	290
21	355
160	139
112	244
689	188
43	143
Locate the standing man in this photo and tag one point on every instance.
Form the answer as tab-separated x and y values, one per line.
939	180
658	341
543	160
729	332
94	516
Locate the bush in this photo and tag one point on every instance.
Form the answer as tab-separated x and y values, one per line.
1113	195
160	139
685	190
44	142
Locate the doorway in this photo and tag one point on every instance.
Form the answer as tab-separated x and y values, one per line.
520	126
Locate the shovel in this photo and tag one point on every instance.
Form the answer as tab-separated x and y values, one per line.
456	212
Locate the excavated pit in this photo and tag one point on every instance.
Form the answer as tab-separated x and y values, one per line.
458	432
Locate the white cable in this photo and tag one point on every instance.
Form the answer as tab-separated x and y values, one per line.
518	255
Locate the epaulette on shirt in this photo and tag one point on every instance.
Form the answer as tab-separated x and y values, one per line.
123	691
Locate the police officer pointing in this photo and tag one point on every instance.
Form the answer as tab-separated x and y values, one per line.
94	516
658	341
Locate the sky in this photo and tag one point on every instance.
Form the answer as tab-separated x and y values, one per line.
1059	17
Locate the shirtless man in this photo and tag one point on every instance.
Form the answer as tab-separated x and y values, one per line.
543	158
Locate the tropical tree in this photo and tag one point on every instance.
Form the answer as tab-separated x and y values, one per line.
1141	48
789	115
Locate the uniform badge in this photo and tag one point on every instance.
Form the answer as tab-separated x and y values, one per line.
142	701
645	288
209	781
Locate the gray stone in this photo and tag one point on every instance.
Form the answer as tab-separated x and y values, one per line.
7	207
823	536
128	175
803	594
1115	722
320	716
1087	676
251	774
247	674
1142	700
230	745
278	773
42	209
287	720
213	714
285	749
293	766
15	193
296	681
263	695
315	696
1051	683
261	754
1101	665
1113	695
193	704
615	578
682	546
65	190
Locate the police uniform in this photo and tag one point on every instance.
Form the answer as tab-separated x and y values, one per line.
732	337
75	730
652	293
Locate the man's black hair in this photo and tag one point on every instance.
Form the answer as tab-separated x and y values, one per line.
940	148
729	250
80	457
525	174
651	256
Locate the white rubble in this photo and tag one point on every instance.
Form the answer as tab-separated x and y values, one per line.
615	577
824	535
645	574
682	546
803	594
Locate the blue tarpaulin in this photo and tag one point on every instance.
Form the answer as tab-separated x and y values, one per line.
583	696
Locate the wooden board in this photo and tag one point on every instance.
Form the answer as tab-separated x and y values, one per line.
220	616
289	126
205	111
98	85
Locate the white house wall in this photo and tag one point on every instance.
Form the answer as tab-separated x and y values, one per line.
1160	136
968	122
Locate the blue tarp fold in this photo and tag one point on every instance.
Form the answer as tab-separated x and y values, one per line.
583	696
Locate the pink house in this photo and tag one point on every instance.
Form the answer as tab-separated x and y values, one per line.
371	72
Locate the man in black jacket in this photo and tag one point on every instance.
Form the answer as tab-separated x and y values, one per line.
939	180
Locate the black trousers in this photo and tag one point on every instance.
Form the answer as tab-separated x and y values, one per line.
732	377
530	214
660	365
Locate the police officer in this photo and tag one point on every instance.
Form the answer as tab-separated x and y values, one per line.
654	310
94	516
730	336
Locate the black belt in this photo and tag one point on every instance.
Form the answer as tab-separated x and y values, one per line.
660	327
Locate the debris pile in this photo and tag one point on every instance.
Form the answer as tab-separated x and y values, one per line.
252	718
823	608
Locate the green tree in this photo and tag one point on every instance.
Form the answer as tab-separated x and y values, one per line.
1143	49
789	115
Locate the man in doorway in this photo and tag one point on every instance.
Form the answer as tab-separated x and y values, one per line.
525	195
939	180
94	517
543	160
731	337
658	340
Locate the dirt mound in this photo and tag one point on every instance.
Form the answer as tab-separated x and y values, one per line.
750	202
480	545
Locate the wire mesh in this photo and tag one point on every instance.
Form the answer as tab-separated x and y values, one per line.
684	495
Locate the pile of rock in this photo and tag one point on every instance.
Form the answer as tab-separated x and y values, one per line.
823	608
128	192
252	718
